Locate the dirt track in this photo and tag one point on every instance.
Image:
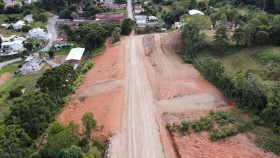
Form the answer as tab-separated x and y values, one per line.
5	77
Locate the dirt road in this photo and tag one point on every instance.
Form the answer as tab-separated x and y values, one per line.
140	136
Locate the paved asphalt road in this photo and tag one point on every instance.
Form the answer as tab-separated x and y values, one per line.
52	32
5	63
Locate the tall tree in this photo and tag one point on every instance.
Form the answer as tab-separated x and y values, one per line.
14	142
261	38
28	46
191	38
221	38
43	18
238	36
72	152
89	123
33	113
0	41
57	81
127	26
193	4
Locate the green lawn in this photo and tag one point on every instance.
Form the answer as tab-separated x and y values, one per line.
67	50
241	61
121	11
12	68
28	82
40	24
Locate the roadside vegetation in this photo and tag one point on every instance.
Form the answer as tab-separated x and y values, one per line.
242	61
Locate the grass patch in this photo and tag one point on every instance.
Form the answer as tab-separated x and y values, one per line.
27	82
12	68
269	54
121	11
40	24
67	50
98	51
209	51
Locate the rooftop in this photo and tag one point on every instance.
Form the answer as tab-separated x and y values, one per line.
58	42
194	11
62	36
75	54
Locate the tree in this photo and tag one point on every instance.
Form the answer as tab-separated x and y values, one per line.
277	6
193	4
51	53
221	38
26	28
15	93
43	18
238	36
57	81
120	1
89	123
261	37
192	40
28	46
169	18
74	128
14	142
55	143
0	41
2	6
72	152
32	112
202	5
127	26
74	15
223	18
116	34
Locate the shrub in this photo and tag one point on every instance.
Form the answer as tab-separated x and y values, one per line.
15	93
88	66
204	124
185	125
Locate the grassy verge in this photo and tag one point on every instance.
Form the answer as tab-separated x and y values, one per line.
98	51
268	54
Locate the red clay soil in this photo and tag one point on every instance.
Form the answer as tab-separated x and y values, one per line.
59	59
5	77
105	103
184	94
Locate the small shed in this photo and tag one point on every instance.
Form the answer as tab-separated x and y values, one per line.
75	56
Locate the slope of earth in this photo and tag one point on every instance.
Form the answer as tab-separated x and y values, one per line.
182	93
101	93
5	77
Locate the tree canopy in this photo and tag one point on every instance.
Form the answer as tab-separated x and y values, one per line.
57	81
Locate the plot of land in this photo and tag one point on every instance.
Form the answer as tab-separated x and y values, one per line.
101	92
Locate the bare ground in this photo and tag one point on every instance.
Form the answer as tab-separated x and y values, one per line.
101	92
5	77
182	93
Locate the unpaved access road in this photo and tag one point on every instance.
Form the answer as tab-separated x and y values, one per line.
140	137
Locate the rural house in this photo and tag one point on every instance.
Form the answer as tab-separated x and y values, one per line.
75	56
18	25
194	12
141	20
16	45
62	37
138	10
32	66
59	44
38	33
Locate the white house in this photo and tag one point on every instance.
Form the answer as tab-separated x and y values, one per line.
152	18
178	25
32	66
38	33
6	25
138	10
18	25
141	20
12	46
194	12
29	18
